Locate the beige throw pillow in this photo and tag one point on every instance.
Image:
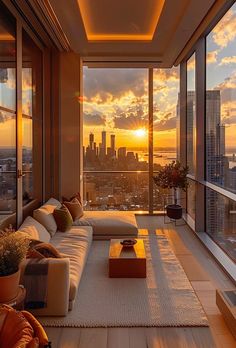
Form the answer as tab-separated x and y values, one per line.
75	208
34	230
44	215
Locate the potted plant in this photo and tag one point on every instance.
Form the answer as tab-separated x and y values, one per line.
173	176
13	249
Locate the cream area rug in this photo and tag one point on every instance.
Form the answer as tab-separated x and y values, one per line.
164	298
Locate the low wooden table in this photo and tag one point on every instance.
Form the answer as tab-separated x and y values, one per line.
127	262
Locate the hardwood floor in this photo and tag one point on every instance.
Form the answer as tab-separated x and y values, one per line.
205	276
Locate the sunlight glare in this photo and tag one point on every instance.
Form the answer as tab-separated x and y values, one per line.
141	132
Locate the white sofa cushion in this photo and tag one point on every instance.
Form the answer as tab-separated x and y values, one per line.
75	245
44	215
34	230
109	223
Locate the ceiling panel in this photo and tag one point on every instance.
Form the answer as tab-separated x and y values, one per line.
115	30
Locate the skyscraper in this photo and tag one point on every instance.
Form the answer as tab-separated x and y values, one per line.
91	140
103	146
113	149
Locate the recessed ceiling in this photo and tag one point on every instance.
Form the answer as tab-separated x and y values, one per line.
151	32
121	20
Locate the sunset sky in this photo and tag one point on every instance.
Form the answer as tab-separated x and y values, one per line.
116	100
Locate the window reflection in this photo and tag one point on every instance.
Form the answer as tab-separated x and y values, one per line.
191	115
31	120
7	115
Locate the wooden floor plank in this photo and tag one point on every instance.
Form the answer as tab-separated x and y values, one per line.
118	338
192	268
54	336
94	337
70	337
202	338
137	338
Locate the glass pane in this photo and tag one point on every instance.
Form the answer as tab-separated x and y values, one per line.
221	221
191	199
220	103
116	191
191	115
7	115
165	115
31	120
115	123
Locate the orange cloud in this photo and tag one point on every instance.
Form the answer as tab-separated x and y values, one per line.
228	60
212	57
225	31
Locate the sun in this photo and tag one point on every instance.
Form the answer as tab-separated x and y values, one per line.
141	132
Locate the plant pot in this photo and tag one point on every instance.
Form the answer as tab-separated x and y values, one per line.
9	287
174	211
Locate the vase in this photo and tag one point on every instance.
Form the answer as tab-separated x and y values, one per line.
174	211
9	287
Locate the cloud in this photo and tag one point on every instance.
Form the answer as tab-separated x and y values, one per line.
225	31
228	60
166	122
6	116
212	57
228	83
166	75
94	119
107	85
133	117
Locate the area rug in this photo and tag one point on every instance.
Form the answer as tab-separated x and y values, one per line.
165	298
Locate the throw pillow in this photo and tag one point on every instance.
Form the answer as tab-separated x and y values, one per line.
63	218
75	208
34	230
76	195
44	215
42	250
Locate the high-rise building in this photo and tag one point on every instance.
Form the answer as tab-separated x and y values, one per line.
103	146
121	153
91	140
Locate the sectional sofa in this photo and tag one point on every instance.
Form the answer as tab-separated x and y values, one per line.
64	274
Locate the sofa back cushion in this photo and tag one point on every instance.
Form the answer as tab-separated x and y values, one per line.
34	230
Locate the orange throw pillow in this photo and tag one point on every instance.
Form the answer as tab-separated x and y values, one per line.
75	208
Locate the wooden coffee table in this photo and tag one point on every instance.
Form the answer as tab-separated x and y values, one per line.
127	262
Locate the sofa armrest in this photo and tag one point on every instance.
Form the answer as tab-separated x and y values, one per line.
57	288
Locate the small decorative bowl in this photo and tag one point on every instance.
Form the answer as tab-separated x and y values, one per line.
128	242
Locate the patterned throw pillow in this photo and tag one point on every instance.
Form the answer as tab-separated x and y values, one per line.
63	218
42	250
75	208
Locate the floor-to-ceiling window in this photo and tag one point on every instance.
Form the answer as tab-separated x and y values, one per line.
32	125
21	126
117	135
221	131
115	138
8	188
165	123
209	119
191	114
